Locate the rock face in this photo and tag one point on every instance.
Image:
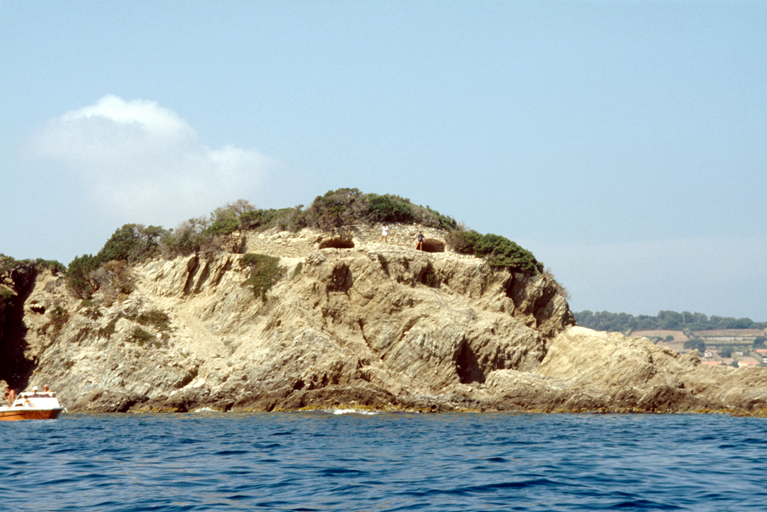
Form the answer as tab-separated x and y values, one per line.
371	324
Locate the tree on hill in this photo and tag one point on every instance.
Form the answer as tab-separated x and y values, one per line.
665	320
132	243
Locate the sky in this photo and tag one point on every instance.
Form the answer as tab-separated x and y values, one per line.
624	143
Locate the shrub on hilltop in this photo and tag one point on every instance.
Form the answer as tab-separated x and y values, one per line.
134	243
7	263
348	205
336	208
498	251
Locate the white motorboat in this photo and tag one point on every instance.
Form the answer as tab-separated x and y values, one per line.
32	405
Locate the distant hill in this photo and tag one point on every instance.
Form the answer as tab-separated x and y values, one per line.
665	320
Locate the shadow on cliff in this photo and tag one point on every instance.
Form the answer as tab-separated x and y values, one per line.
15	369
467	366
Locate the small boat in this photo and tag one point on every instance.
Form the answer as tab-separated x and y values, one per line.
32	405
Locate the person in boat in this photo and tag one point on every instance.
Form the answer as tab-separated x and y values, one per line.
34	391
11	394
46	389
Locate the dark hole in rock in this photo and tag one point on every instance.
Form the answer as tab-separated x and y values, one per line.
467	366
432	245
337	243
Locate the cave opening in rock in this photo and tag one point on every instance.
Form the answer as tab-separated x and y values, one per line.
433	245
337	243
15	368
467	366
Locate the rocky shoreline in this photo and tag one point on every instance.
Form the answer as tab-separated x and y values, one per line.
349	322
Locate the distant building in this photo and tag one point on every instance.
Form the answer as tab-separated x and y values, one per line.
732	339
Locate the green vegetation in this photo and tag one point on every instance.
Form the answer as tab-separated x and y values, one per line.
389	209
110	329
132	243
135	243
8	263
297	270
77	275
140	336
695	344
58	318
89	308
497	250
428	276
665	320
155	318
333	209
52	265
349	205
264	272
7	295
223	222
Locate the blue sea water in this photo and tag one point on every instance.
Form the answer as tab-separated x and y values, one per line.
320	461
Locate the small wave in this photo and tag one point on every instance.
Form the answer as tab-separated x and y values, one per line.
351	411
204	409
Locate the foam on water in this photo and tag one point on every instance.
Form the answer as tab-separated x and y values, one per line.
352	411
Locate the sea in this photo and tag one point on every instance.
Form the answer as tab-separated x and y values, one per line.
341	460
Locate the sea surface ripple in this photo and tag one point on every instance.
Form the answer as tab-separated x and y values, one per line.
320	461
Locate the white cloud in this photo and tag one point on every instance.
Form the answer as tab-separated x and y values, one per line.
144	163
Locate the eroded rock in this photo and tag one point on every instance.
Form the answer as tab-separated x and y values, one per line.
375	325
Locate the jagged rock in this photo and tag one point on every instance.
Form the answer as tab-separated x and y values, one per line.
352	322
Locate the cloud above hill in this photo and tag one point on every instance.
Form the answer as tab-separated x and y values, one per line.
140	162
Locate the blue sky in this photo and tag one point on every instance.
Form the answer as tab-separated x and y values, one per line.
623	143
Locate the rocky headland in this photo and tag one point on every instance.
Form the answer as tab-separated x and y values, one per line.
349	321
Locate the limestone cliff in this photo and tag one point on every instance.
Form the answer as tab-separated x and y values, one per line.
368	325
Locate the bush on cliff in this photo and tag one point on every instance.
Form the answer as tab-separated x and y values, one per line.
224	222
132	243
78	273
264	272
498	251
6	296
8	263
155	317
58	318
188	238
